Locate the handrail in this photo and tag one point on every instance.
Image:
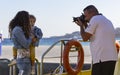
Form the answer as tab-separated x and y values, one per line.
12	66
42	57
41	63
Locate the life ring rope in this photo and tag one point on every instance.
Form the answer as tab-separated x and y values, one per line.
66	64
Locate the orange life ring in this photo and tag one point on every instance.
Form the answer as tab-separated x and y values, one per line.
117	46
66	64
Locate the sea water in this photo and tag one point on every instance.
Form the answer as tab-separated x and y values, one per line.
8	42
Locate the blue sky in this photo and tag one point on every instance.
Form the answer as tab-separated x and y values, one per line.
54	17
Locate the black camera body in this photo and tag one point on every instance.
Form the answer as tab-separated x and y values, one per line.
81	18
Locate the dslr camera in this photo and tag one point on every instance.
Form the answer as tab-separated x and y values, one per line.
81	18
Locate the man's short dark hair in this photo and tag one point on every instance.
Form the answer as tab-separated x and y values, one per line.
91	8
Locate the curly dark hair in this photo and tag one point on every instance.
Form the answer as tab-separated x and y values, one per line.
21	19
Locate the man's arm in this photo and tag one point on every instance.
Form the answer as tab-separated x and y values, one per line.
85	36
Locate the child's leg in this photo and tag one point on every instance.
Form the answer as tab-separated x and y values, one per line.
32	55
14	53
32	58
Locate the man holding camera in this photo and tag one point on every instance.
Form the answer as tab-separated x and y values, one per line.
100	32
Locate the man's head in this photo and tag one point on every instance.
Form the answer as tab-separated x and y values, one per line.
32	20
90	11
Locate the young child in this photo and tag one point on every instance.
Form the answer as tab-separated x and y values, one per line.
37	33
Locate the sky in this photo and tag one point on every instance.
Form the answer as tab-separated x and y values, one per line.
55	17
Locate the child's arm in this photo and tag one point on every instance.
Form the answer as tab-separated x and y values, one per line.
38	32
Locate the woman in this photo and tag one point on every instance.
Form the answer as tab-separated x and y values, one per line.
20	32
37	33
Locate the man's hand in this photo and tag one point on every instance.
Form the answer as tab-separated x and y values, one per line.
78	22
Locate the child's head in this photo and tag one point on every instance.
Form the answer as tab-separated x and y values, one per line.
32	20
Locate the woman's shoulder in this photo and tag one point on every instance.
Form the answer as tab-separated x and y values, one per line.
17	29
